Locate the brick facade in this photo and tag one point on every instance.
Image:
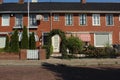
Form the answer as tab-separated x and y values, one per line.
45	26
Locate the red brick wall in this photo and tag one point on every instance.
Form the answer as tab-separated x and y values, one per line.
44	26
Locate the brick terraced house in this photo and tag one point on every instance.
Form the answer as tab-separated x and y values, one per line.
96	23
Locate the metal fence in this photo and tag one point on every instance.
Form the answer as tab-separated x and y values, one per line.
33	54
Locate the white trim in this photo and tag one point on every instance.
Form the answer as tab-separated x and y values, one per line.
62	11
8	19
72	17
80	18
44	17
17	20
110	39
55	16
95	21
106	19
119	17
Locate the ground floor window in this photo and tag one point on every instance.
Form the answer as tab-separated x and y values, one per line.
2	41
101	39
45	38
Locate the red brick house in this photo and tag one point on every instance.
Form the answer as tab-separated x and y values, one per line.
96	23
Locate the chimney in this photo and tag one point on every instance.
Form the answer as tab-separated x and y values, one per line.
34	0
1	1
21	1
83	1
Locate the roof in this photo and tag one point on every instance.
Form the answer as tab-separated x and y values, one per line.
59	7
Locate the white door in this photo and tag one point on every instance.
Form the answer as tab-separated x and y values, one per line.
56	43
2	41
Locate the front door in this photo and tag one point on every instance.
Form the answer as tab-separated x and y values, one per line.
56	43
2	41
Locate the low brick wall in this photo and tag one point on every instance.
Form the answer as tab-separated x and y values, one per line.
9	56
22	55
42	54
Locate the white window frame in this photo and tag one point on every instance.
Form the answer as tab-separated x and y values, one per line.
96	19
6	22
19	20
119	17
46	17
33	20
110	39
82	19
56	17
110	19
68	19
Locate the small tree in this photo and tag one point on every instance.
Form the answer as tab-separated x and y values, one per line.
74	44
32	44
24	40
14	42
7	46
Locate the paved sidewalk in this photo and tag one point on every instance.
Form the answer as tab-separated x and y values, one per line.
72	62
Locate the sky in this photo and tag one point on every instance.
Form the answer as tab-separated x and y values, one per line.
67	0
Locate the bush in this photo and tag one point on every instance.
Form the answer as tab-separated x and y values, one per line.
7	45
49	50
32	44
24	40
62	44
74	44
14	42
106	52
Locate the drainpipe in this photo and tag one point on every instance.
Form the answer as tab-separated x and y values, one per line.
50	16
51	20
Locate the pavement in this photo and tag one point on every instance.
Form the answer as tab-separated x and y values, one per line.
69	62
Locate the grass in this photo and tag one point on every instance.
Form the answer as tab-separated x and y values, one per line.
2	50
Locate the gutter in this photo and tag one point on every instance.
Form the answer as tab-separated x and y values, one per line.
61	11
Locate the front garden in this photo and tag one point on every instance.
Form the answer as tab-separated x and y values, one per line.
13	45
73	47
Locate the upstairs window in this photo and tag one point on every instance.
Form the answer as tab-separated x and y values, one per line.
82	19
33	21
5	20
56	17
69	19
19	20
96	19
109	19
46	17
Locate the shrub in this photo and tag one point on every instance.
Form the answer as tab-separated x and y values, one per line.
32	44
63	47
14	42
49	50
24	40
74	44
7	45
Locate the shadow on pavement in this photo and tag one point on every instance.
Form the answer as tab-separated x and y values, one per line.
63	72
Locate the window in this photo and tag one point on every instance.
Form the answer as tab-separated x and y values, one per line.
69	19
119	17
46	17
101	39
96	19
45	38
33	21
109	19
82	19
5	20
56	17
19	20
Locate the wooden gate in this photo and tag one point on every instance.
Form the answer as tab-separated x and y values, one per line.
33	54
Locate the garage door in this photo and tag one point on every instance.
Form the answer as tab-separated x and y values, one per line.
2	41
101	39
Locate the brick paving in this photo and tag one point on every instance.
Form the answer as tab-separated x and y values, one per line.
58	69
